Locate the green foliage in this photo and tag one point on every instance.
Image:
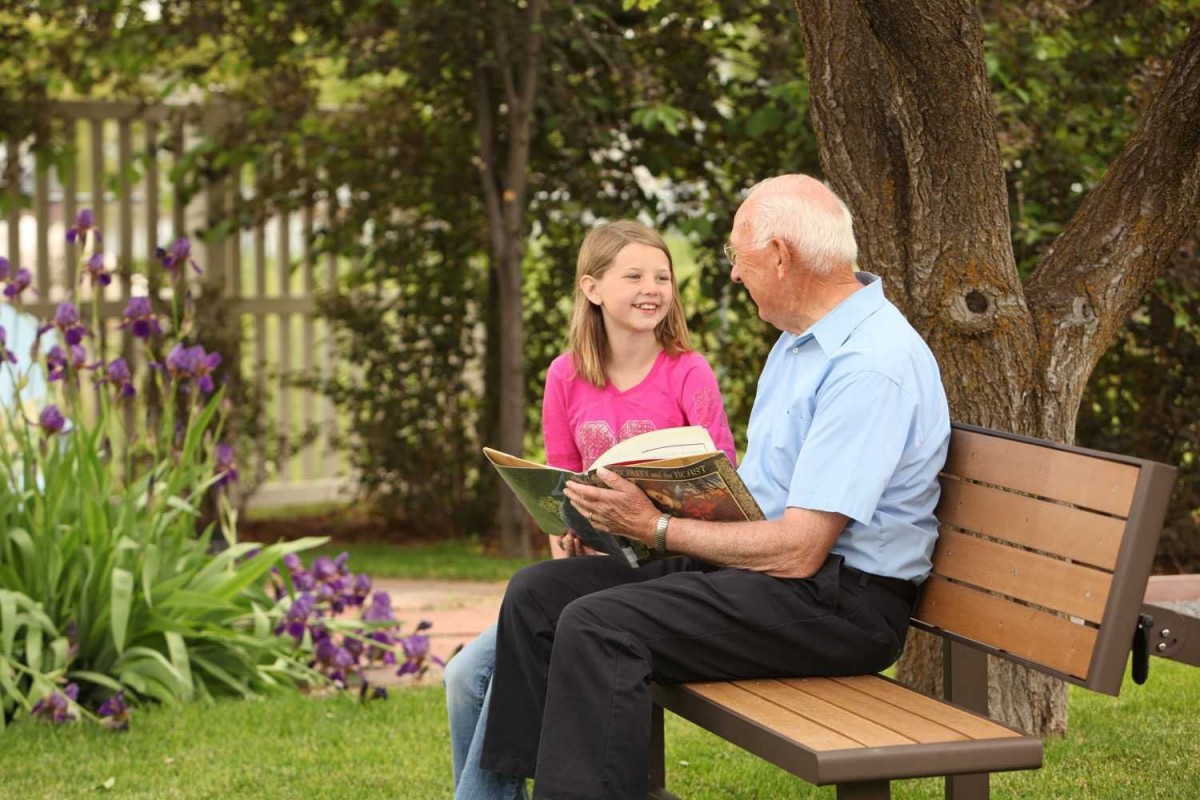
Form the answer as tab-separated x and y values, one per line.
1142	396
105	580
1069	84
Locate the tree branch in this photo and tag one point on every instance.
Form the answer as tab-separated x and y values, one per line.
521	116
1123	234
504	62
487	170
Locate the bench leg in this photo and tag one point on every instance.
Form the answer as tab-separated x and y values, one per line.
865	790
657	768
965	678
967	787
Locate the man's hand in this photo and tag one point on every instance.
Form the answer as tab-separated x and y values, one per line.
622	508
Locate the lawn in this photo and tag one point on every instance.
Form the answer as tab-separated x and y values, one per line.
372	550
1144	744
454	559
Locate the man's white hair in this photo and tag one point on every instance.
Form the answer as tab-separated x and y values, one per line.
821	232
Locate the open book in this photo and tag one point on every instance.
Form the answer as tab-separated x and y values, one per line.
679	469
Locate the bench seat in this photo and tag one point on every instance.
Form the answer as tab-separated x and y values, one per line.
859	728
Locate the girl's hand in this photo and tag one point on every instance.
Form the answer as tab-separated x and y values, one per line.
572	546
621	508
558	546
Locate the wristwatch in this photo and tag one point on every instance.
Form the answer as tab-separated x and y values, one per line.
660	534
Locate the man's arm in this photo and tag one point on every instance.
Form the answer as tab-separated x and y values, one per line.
793	546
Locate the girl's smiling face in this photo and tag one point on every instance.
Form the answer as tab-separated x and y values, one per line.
635	292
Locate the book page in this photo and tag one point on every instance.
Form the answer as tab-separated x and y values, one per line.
653	445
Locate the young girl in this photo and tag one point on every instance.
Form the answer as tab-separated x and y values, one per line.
629	370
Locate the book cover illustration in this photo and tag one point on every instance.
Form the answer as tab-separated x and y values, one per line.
703	486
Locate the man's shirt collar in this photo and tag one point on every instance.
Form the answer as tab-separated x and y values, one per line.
832	330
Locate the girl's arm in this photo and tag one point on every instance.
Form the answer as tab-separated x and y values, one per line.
561	450
702	404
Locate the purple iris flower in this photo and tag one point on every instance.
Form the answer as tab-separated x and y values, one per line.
56	363
5	266
114	712
226	465
58	360
295	621
117	373
417	657
5	353
359	589
333	659
385	651
85	221
51	420
177	256
193	363
56	707
95	268
355	647
66	319
323	568
140	318
17	285
380	609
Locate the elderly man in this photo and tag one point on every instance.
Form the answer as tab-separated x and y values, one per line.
848	432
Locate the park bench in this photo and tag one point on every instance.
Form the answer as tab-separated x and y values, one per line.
1042	559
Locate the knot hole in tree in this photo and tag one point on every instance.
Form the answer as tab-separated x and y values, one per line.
977	301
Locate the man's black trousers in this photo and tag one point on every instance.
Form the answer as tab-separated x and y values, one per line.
581	638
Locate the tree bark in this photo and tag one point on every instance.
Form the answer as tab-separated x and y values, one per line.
505	191
902	108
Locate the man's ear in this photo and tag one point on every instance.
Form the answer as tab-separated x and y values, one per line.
782	255
588	285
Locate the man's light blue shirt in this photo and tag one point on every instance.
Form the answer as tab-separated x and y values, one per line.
851	417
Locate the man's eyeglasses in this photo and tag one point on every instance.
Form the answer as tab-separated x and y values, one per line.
730	254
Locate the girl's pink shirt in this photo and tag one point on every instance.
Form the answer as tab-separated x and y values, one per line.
581	422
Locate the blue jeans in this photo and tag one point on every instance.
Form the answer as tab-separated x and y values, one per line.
468	679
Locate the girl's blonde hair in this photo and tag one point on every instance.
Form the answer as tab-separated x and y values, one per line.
589	341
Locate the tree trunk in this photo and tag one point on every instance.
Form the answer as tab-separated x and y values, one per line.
902	108
505	191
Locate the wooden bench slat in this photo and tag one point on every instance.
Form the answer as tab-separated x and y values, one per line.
1007	625
787	723
1065	531
867	732
1048	582
912	726
1074	478
972	726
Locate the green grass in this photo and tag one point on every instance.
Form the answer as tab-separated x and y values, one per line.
456	559
1144	744
293	511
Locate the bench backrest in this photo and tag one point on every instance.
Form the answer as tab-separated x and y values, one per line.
1044	553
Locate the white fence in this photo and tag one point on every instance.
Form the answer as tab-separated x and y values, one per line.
121	168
